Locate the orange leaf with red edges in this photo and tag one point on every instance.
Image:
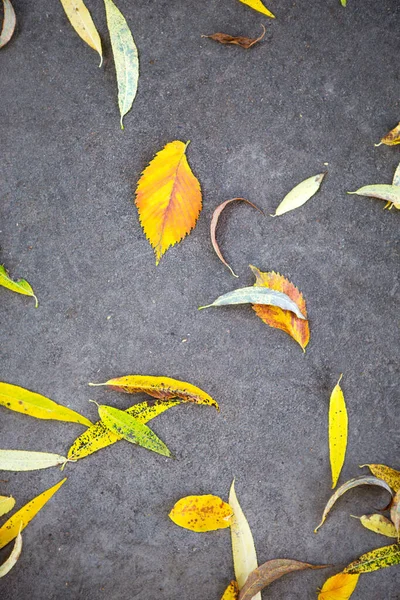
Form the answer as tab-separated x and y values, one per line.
168	198
275	316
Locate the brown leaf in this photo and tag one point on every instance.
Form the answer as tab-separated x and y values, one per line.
243	42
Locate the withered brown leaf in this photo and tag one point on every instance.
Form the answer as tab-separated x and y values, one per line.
243	42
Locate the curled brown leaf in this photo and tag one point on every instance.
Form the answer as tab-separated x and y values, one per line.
243	42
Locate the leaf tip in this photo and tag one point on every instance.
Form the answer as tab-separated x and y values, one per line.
36	301
380	144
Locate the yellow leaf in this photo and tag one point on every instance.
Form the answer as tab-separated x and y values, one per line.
21	286
168	198
380	558
201	513
243	549
14	556
259	6
35	405
20	460
231	592
338	427
339	587
82	22
7	503
392	138
391	476
378	524
19	520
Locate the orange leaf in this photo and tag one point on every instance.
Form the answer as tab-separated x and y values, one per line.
168	198
339	587
275	316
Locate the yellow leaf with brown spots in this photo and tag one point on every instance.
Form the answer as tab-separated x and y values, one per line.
231	592
392	138
201	513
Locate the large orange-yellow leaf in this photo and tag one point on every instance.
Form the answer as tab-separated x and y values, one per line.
231	592
275	316
339	587
201	513
168	198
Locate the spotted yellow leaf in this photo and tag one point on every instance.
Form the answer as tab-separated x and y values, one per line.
201	513
231	592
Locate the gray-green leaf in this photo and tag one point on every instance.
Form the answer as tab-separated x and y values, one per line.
390	193
299	194
20	460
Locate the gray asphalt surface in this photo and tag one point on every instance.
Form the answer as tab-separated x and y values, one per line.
322	88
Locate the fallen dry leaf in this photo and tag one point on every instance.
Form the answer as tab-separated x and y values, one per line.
391	476
9	23
231	592
395	513
81	20
201	513
20	286
338	428
300	194
392	138
259	6
20	460
339	587
389	193
381	558
243	42
6	567
7	503
378	524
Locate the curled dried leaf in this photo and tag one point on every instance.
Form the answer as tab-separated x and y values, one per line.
9	23
392	138
243	42
201	513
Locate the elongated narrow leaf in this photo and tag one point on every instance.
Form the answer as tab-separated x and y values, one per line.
19	520
201	513
7	503
6	567
131	429
387	556
270	571
259	6
243	42
349	485
9	23
257	295
278	318
339	587
396	176
163	388
390	193
19	460
81	20
378	524
126	58
168	198
338	427
391	476
231	592
395	513
35	405
300	194
214	222
392	138
20	286
243	549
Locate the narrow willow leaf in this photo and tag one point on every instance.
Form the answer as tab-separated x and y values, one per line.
214	222
19	460
9	23
243	42
378	524
201	513
343	2
338	427
6	567
81	20
257	295
391	476
20	286
396	176
35	405
300	194
390	193
392	138
349	485
7	503
231	592
131	429
395	513
387	556
162	388
126	58
259	6
270	571
243	549
339	587
19	520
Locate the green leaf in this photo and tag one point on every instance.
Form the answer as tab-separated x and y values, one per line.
300	194
21	286
387	556
343	2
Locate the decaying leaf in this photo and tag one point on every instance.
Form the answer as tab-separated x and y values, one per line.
270	571
7	503
20	286
168	198
389	193
131	429
214	222
231	592
81	20
9	23
378	524
387	556
391	476
339	587
396	176
126	58
35	405
19	520
257	295
278	318
243	549
201	513
259	6
163	388
244	42
395	513
338	428
349	485
6	567
19	460
392	138
300	194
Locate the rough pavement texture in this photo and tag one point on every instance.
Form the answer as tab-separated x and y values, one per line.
321	88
